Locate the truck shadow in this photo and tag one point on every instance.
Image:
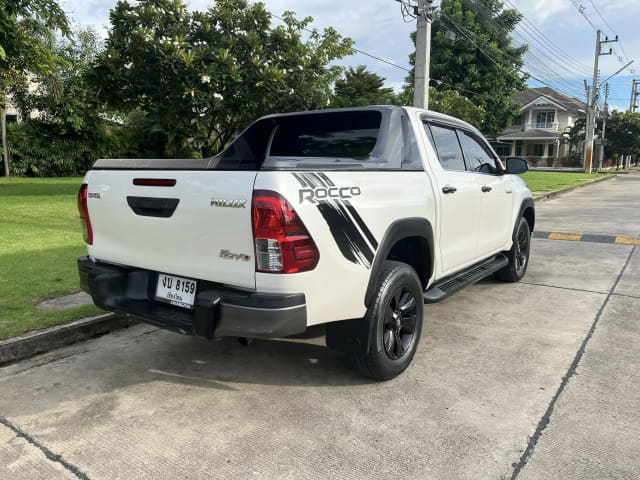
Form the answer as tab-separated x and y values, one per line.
303	360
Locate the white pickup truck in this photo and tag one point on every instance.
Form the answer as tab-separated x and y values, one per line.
352	218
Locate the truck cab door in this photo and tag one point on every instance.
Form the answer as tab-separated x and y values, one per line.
459	201
494	230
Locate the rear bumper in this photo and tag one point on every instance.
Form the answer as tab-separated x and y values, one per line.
218	311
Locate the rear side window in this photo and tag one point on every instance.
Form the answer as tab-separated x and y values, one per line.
332	135
448	147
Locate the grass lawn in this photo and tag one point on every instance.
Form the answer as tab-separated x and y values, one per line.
40	239
543	182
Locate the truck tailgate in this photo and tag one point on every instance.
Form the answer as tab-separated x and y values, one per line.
198	228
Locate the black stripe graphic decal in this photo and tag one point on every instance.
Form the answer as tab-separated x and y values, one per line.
301	180
363	226
351	234
350	242
326	179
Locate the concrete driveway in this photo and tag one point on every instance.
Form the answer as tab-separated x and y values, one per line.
535	380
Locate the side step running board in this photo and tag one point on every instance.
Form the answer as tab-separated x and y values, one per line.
450	285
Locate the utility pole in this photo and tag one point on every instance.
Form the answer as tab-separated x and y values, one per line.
591	111
424	14
604	126
3	136
633	105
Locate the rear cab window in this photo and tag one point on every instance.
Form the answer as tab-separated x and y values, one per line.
375	138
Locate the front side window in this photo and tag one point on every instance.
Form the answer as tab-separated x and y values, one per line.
478	156
448	147
545	119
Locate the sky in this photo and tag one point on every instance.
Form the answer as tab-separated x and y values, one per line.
562	38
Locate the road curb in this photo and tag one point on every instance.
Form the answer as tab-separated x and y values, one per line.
551	195
30	344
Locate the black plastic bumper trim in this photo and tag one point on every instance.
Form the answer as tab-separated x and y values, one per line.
218	311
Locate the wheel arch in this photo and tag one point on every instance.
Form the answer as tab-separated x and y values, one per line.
527	210
409	240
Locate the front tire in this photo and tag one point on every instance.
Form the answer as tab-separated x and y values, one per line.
518	255
395	322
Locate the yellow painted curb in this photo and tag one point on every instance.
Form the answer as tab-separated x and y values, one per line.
628	240
565	236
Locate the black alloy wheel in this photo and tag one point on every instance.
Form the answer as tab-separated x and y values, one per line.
521	254
392	326
399	330
518	255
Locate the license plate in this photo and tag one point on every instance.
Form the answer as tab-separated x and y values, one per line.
177	291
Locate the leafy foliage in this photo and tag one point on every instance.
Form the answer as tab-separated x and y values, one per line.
27	30
472	53
201	77
623	134
360	87
39	150
69	133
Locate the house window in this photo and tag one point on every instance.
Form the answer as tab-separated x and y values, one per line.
551	150
538	149
503	150
517	121
545	119
518	148
11	118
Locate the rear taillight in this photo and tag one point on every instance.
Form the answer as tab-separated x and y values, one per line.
83	210
282	242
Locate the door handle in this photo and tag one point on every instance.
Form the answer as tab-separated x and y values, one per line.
449	189
486	188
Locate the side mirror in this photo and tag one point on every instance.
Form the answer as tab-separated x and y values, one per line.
516	166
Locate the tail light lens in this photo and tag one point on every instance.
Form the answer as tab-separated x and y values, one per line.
83	210
282	242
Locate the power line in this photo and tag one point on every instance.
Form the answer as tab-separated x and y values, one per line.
537	49
391	63
534	32
601	17
581	9
621	58
354	49
462	30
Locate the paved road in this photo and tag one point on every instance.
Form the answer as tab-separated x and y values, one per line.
536	380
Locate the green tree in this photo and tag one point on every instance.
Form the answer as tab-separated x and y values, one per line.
359	88
472	53
452	103
623	134
27	29
201	77
62	96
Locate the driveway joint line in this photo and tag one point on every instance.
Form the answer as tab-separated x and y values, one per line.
563	288
47	453
546	418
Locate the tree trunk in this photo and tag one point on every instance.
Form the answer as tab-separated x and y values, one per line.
5	146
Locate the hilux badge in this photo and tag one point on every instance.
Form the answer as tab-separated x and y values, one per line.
222	202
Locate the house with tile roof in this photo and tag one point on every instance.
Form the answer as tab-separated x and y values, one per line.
537	133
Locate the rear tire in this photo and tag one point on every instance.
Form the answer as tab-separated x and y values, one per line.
518	255
394	320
